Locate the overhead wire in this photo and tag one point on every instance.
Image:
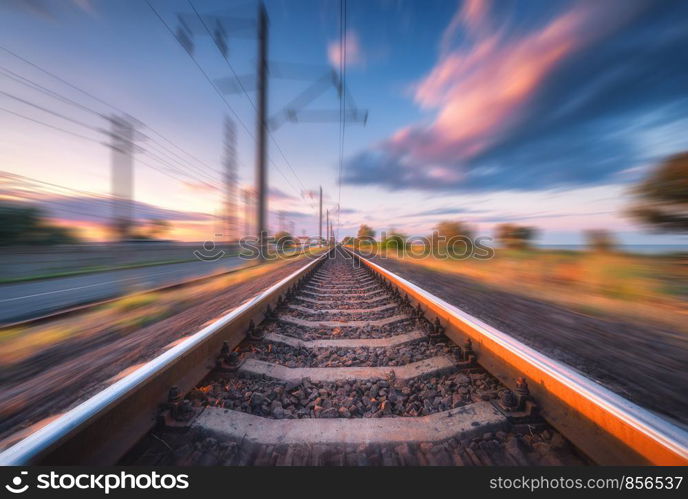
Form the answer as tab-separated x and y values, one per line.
36	86
46	110
250	100
217	90
54	127
160	149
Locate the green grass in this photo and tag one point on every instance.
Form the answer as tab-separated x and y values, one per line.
133	302
619	284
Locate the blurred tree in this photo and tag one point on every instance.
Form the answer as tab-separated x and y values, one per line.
661	200
284	239
26	225
158	227
453	229
365	233
348	241
600	240
454	237
514	236
394	240
153	229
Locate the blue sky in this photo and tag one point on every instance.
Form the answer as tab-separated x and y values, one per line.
541	112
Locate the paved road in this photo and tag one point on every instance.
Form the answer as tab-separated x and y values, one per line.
35	298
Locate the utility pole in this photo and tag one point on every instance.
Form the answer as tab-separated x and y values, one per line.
333	231
327	234
280	221
293	112
261	132
122	175
320	239
247	211
231	229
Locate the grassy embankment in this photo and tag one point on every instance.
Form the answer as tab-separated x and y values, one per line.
619	285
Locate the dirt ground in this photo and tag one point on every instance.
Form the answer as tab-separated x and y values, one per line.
643	362
74	372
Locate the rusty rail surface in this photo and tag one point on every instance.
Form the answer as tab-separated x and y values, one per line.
610	429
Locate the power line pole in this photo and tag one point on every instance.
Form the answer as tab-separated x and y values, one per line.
231	229
122	136
320	239
247	211
337	231
294	111
261	132
328	228
280	221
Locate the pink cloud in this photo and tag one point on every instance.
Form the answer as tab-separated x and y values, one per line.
472	15
480	91
354	52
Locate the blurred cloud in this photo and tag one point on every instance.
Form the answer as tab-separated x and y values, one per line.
90	209
81	206
295	214
536	107
40	8
443	211
47	8
472	15
354	51
538	216
201	187
85	5
275	194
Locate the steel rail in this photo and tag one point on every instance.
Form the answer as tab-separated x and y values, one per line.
610	429
104	427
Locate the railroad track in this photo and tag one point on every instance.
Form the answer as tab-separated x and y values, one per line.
344	363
